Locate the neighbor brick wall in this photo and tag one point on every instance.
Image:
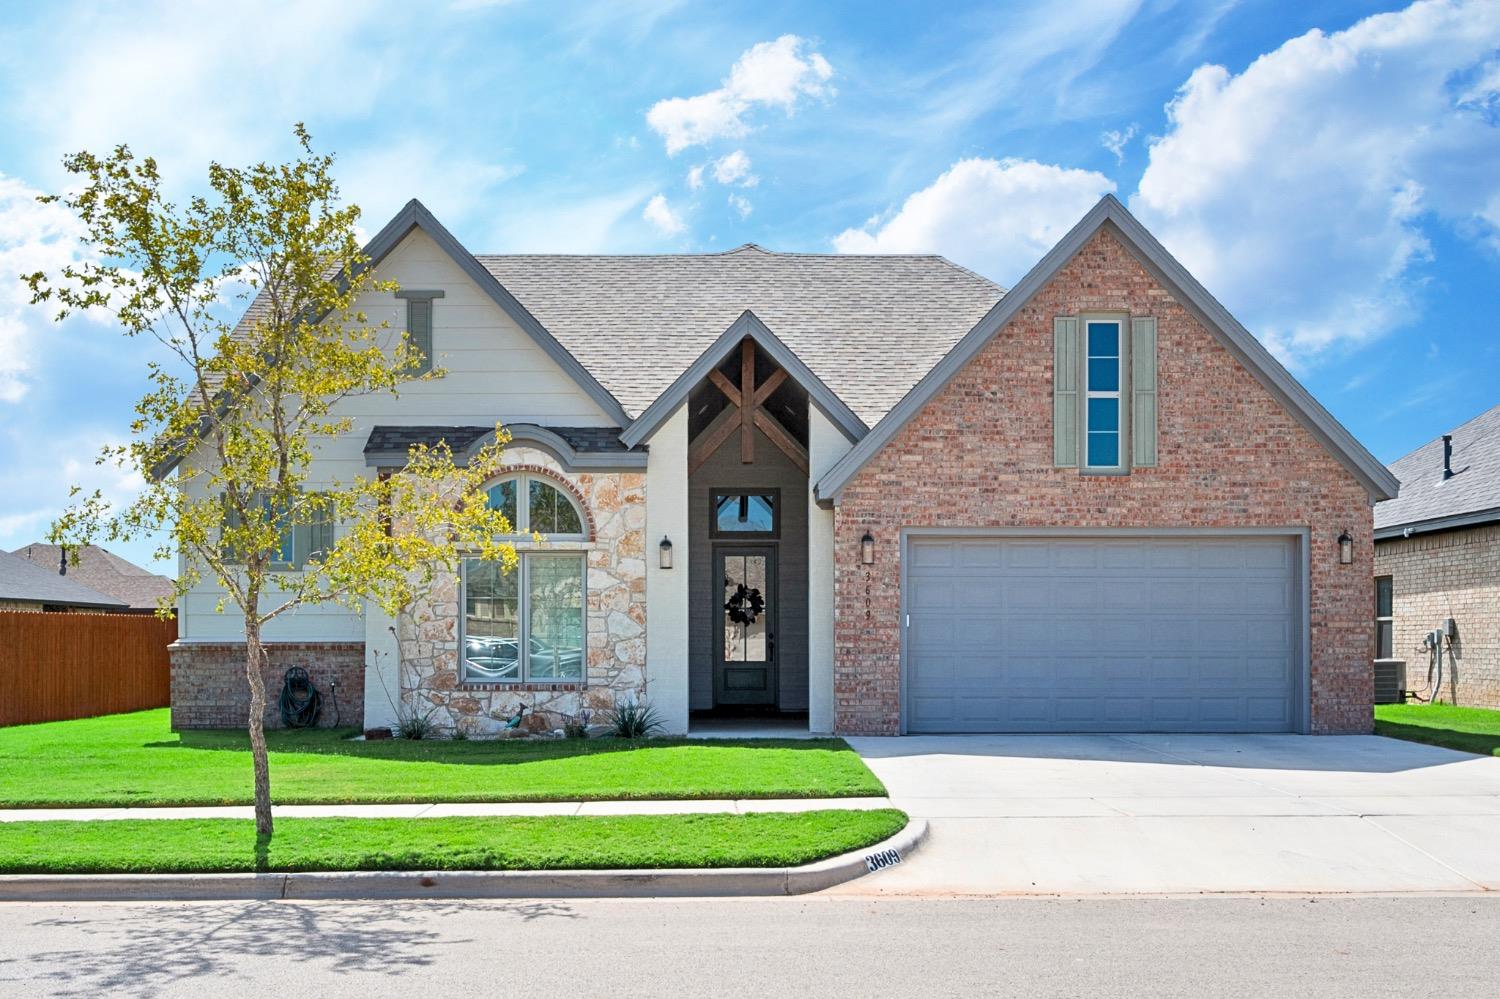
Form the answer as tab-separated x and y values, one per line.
979	454
209	689
1449	574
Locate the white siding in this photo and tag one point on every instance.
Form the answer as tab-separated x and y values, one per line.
495	372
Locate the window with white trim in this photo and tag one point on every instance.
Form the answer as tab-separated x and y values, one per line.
527	623
1385	618
1102	397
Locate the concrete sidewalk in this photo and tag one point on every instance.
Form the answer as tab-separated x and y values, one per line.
451	809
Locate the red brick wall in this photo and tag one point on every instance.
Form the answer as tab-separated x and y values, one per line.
209	689
979	454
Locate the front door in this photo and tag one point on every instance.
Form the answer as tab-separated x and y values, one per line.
745	654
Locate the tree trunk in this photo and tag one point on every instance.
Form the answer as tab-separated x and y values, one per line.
254	654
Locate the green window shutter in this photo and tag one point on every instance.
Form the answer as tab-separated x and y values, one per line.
1065	391
1143	392
419	327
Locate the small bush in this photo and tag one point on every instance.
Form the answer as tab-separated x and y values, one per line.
415	727
634	720
577	726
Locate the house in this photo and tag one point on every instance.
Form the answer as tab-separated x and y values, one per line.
877	493
25	586
1437	559
101	570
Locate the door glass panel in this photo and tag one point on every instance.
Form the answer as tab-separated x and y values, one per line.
555	592
745	608
492	626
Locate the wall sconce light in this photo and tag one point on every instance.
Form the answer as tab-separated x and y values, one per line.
664	553
867	549
1346	549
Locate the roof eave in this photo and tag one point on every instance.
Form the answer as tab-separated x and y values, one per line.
1432	525
1377	480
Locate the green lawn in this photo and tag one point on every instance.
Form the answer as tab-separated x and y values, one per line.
1472	730
137	846
135	759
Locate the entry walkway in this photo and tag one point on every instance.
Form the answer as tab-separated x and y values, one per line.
452	809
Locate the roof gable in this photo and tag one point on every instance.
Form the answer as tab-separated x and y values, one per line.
747	325
1166	270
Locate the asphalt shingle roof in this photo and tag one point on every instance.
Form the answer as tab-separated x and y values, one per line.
592	440
869	326
1425	495
24	580
104	571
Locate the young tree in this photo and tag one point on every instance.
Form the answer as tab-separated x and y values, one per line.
241	409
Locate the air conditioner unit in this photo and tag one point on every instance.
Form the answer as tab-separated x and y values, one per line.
1390	681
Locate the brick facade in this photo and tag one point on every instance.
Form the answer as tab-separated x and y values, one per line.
979	454
209	689
1436	576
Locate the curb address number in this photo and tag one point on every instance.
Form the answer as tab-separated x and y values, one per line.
880	861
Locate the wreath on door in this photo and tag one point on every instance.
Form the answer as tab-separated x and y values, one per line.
746	605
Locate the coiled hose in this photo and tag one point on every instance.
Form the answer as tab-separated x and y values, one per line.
300	701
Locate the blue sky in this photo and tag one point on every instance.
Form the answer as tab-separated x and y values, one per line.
1330	170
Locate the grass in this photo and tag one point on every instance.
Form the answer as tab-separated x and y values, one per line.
1471	730
135	759
159	846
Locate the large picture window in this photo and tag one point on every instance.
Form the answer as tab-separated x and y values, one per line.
527	623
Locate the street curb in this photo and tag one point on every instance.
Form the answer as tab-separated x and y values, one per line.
670	883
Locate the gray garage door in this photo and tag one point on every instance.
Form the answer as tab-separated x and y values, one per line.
1102	635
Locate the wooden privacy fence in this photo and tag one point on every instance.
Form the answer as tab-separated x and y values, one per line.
59	666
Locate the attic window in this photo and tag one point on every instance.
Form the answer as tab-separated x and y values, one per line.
419	323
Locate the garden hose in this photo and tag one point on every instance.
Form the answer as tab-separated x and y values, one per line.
300	701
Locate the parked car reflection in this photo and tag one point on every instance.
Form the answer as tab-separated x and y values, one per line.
498	659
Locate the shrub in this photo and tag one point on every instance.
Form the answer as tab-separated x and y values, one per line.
413	726
634	720
577	726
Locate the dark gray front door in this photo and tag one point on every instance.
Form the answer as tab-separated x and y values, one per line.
745	653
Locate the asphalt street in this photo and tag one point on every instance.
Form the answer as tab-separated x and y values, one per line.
1265	947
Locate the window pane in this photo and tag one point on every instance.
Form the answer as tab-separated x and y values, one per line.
1104	414
1104	374
1382	596
502	497
555	614
551	511
492	626
745	608
1104	450
743	512
1104	339
1383	639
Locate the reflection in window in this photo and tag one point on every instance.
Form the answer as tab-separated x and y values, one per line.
526	623
745	513
745	608
1102	406
548	510
1385	618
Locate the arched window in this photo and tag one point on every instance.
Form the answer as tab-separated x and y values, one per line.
546	510
528	624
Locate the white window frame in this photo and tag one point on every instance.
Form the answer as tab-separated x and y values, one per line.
1118	394
1385	618
523	622
521	528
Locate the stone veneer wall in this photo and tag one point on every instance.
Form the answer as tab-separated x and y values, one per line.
979	454
1448	574
209	689
615	505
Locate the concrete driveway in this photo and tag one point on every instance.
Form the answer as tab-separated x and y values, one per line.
1159	813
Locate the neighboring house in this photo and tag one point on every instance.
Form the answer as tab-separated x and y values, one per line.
1094	503
25	586
1437	557
140	589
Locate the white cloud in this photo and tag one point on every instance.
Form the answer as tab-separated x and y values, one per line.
735	169
695	178
380	179
775	74
741	205
1116	139
661	215
33	237
996	217
1300	190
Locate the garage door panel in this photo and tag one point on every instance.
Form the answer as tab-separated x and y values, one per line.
1119	634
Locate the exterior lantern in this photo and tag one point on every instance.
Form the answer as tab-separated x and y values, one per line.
1346	549
867	549
664	553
